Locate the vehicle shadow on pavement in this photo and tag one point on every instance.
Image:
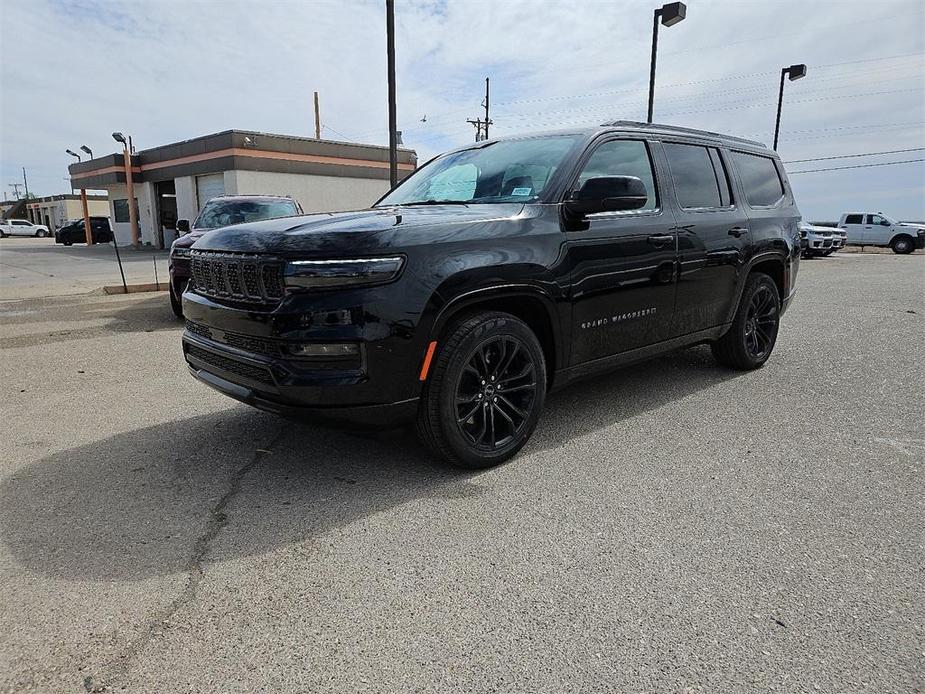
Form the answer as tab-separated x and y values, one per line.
138	504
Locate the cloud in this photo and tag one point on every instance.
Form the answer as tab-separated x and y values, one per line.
169	70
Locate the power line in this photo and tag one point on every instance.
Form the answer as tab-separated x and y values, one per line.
849	156
857	166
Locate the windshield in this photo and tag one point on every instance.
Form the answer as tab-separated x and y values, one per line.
222	213
505	171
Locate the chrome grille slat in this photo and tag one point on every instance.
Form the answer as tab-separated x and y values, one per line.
241	277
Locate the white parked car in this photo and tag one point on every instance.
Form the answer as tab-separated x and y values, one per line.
867	229
22	227
816	240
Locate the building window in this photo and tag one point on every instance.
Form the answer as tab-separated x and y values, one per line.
120	210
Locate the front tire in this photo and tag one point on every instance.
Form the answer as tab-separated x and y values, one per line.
485	391
902	245
751	338
175	303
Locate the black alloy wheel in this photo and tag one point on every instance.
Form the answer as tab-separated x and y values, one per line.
761	322
495	392
750	339
484	392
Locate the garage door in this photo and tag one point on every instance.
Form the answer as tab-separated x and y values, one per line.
208	187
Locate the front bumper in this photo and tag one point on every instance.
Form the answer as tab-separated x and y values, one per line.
258	350
920	241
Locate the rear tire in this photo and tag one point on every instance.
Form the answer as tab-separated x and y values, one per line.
485	391
902	245
68	243
751	338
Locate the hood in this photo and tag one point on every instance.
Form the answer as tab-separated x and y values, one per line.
912	224
358	232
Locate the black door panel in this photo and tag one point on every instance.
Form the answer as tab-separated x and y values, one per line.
622	285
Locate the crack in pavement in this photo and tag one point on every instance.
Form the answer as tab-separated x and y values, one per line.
118	666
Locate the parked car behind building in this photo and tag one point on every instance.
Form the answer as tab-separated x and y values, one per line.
495	273
220	211
22	227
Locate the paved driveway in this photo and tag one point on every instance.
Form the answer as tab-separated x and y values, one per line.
674	527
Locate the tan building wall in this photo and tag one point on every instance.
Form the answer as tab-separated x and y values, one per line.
314	193
53	211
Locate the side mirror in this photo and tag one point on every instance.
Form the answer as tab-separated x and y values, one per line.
608	194
183	226
884	223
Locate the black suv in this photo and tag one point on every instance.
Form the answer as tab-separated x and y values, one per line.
73	231
495	273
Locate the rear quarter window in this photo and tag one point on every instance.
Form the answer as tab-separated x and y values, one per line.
760	179
854	219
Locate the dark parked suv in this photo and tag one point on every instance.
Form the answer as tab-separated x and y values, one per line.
220	211
73	231
495	273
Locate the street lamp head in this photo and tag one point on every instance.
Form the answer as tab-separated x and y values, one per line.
795	72
672	13
73	154
119	137
87	150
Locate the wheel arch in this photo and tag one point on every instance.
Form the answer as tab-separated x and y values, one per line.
527	302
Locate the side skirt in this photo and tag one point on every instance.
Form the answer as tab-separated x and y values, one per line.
569	375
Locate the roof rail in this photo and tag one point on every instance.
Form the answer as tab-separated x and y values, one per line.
679	129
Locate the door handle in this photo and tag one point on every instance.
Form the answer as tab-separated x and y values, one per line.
660	239
738	231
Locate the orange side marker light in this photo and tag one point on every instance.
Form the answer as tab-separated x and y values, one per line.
431	348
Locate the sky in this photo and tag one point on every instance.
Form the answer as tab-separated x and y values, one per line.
73	71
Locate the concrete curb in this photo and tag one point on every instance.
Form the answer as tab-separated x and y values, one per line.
134	288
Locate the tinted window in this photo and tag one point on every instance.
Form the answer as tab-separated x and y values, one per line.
694	177
759	178
853	219
220	213
623	158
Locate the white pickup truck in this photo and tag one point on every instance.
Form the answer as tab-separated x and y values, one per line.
22	227
868	229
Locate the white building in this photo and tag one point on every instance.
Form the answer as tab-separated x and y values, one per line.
174	181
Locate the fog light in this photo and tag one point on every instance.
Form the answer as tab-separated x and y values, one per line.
339	349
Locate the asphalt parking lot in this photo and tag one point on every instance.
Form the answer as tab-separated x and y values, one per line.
673	527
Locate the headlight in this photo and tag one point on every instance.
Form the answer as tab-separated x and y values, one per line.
318	274
180	252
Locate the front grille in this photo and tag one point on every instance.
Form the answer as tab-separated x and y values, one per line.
237	277
254	373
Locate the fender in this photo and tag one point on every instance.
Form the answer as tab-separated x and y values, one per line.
461	301
760	257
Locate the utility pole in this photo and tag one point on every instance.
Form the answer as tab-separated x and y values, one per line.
317	119
15	187
25	183
481	127
390	54
487	119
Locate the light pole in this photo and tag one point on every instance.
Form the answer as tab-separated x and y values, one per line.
795	72
390	59
669	14
130	188
88	232
87	150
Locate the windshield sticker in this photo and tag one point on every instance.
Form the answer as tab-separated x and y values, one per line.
521	191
